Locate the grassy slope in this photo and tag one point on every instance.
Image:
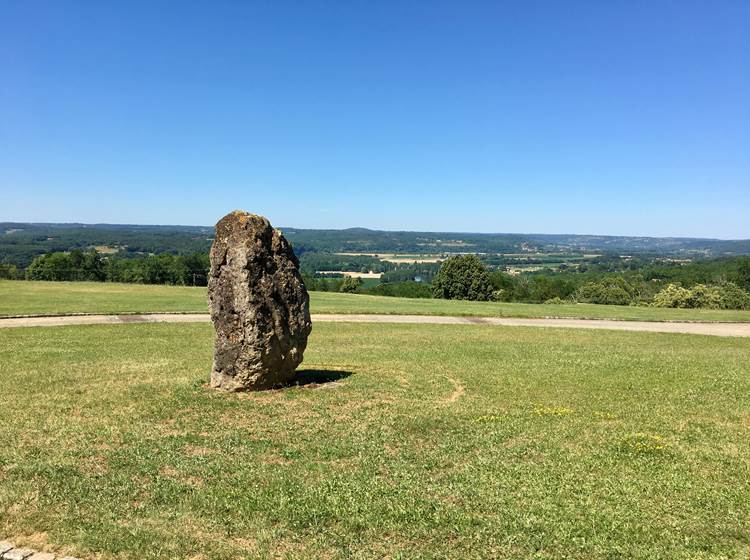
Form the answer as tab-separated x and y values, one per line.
457	442
29	298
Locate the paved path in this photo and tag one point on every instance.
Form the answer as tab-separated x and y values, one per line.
716	329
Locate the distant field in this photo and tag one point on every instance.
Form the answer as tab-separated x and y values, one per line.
429	442
38	298
363	275
401	257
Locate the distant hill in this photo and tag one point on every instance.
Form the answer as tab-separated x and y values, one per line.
21	242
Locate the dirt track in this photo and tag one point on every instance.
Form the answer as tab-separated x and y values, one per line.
715	329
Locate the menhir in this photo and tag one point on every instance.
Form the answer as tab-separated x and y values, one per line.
259	305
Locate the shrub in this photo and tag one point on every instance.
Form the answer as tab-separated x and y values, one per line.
705	297
725	296
462	277
554	301
672	296
606	293
734	297
501	295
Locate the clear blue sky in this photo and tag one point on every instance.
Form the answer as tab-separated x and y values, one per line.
608	117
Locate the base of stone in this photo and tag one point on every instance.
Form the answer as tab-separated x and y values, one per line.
220	380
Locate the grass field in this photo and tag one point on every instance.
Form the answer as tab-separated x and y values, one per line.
30	298
428	441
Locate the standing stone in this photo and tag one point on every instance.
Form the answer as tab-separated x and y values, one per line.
259	305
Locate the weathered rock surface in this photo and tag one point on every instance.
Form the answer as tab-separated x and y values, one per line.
259	305
18	554
10	552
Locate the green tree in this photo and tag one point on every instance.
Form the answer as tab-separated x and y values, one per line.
351	285
503	286
8	271
91	266
462	277
743	274
52	266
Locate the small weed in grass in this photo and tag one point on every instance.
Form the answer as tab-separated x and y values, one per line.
552	410
643	444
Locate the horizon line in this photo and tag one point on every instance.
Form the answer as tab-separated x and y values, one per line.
383	230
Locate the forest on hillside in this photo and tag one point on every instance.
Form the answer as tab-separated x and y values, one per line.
20	243
519	268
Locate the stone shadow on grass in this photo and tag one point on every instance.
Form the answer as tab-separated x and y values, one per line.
317	377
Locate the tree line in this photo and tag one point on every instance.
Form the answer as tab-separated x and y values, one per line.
466	277
718	283
76	265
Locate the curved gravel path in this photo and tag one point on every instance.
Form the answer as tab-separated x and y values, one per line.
715	329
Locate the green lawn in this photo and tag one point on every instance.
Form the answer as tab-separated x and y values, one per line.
437	442
38	298
324	302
